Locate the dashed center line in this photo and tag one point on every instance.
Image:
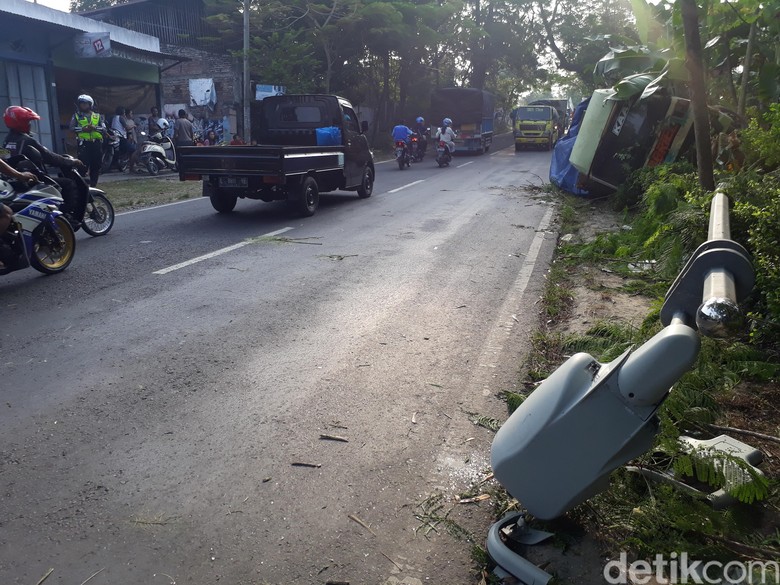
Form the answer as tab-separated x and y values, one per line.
471	162
396	190
216	253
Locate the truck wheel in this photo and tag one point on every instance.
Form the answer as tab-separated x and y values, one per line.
367	187
307	199
223	202
550	144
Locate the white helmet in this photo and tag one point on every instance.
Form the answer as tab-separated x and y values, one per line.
163	124
84	98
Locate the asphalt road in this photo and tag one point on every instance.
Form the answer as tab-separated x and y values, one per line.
153	408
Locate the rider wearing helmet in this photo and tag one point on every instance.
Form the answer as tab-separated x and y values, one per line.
422	131
90	128
446	134
6	214
19	141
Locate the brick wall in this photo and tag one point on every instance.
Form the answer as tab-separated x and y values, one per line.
223	69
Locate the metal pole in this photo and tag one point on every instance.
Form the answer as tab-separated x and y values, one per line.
718	315
247	88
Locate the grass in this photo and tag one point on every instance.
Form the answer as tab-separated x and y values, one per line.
146	192
636	515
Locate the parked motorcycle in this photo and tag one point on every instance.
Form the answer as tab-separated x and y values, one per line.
99	213
402	156
157	153
113	158
39	235
443	154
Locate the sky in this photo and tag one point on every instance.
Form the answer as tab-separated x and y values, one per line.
63	5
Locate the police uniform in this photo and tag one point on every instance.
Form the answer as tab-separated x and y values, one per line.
90	141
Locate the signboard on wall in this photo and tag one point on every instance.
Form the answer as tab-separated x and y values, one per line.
89	45
264	91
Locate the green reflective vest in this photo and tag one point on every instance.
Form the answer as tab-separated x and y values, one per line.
84	121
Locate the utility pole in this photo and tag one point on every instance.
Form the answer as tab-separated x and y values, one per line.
247	84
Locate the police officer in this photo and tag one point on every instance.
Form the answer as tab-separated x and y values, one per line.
90	128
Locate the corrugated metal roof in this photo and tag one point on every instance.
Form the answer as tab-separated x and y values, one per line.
80	23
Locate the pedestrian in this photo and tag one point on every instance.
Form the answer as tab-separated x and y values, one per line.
237	140
183	132
211	139
132	137
90	129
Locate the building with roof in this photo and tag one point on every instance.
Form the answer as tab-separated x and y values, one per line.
207	79
49	57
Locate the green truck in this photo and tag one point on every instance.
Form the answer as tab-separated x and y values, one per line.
535	126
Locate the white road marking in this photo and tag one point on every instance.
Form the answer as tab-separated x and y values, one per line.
406	186
471	162
152	208
216	253
490	357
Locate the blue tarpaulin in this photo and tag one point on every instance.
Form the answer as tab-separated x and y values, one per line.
329	136
562	173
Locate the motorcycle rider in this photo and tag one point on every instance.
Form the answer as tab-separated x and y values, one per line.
6	213
19	141
447	135
422	131
402	133
90	129
126	146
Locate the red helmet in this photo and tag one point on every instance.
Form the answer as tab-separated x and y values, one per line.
18	118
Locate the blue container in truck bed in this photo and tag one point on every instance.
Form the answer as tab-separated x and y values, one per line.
288	164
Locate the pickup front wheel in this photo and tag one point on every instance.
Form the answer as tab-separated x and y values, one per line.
306	201
223	202
367	186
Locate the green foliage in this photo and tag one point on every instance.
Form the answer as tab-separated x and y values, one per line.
86	5
761	140
721	470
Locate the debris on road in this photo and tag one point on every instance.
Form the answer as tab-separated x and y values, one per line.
303	464
414	418
266	479
333	438
337	257
486	422
475	499
359	521
46	576
95	574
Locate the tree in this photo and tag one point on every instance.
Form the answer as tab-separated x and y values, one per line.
86	5
701	118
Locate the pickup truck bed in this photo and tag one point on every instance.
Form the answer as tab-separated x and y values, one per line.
258	161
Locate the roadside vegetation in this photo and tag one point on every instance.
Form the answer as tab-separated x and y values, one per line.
661	216
145	192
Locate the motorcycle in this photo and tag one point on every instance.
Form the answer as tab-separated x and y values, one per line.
402	155
112	155
157	152
417	147
99	213
443	154
39	235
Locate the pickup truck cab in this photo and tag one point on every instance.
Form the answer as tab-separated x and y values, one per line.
306	145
